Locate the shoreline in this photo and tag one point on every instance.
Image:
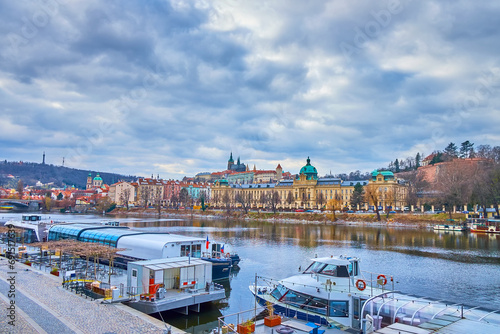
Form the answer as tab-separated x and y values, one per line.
399	220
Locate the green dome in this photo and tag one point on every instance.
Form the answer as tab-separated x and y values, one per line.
387	174
97	178
309	170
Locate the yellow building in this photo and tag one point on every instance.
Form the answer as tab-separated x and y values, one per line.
307	191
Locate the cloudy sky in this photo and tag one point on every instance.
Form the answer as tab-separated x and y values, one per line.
172	87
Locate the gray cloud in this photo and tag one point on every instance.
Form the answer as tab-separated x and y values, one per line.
171	87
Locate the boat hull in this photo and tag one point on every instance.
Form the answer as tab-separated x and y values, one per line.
292	313
221	268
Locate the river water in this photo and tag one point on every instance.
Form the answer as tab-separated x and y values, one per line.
458	267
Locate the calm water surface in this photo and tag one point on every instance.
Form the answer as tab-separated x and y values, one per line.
459	267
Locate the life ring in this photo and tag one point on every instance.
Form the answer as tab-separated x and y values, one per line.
360	284
384	279
285	330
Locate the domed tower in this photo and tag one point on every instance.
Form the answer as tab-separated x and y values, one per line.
97	181
309	171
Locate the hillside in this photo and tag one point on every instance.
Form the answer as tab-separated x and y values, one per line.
31	172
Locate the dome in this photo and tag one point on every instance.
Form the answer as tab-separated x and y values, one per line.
387	174
309	170
97	178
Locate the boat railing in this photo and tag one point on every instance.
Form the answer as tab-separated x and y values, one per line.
373	281
215	255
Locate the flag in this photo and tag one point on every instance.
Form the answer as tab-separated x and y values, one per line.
208	242
222	249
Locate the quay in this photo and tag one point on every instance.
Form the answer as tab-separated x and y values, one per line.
42	305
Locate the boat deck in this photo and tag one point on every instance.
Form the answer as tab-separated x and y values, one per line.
445	324
182	301
297	326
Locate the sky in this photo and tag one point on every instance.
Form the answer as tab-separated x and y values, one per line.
172	87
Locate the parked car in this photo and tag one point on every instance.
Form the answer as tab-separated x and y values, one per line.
392	211
299	210
350	211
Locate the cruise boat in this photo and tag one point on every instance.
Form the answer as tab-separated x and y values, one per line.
334	292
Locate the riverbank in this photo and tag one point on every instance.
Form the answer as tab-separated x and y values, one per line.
41	305
403	219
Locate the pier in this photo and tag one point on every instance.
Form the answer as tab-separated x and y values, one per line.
43	306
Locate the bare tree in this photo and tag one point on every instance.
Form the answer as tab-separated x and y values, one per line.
274	200
103	204
125	197
373	195
215	199
20	188
264	199
289	198
454	184
174	200
226	200
146	196
320	200
184	196
415	186
334	204
158	199
244	199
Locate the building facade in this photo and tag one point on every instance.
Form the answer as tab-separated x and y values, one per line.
305	191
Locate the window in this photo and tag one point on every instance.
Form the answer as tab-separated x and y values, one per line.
315	267
134	272
339	309
279	292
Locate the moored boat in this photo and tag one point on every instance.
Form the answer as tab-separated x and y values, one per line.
334	292
485	225
451	227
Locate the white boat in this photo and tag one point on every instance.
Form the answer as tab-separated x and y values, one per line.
333	292
450	228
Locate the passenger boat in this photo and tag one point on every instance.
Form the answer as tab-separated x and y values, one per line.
485	225
138	245
334	292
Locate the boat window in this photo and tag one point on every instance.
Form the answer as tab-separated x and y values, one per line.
296	299
315	268
339	308
317	305
330	269
353	269
342	271
185	250
279	292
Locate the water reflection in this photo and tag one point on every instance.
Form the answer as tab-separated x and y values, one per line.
472	247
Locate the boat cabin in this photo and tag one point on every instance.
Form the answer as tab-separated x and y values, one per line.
147	277
334	266
31	218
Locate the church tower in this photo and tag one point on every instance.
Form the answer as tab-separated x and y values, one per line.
230	162
279	172
89	181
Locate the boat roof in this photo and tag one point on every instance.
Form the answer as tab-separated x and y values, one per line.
336	260
168	263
